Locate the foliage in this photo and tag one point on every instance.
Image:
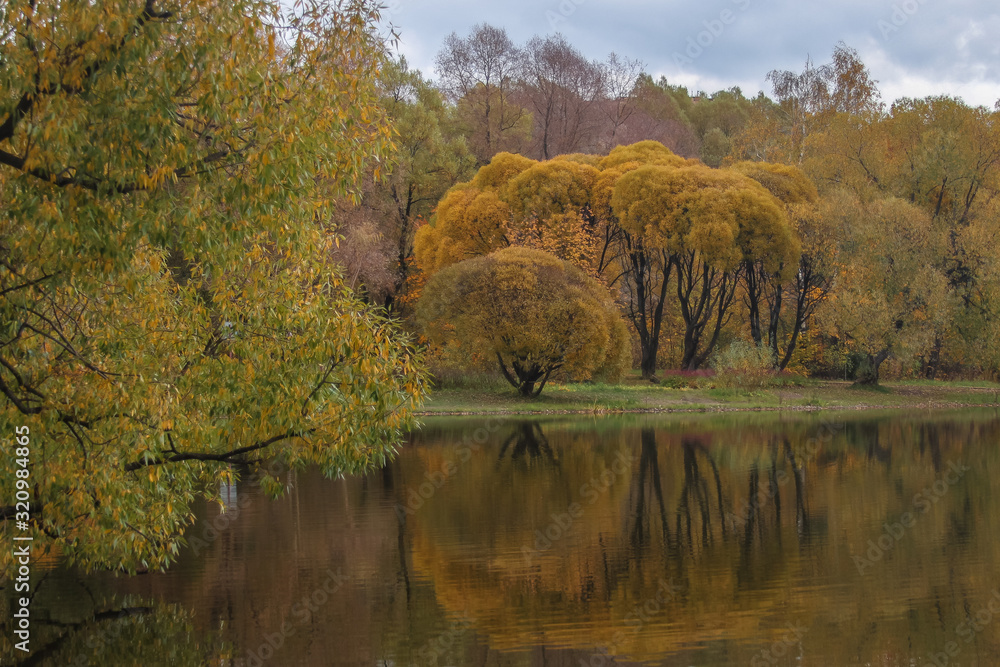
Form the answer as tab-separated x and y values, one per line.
715	147
428	156
889	299
707	222
133	632
168	304
745	365
520	202
528	312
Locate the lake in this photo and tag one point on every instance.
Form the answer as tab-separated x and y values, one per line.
702	539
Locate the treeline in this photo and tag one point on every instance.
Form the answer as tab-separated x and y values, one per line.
890	211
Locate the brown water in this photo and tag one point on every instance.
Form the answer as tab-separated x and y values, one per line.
581	541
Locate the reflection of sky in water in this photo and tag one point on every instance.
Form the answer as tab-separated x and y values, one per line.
228	496
691	540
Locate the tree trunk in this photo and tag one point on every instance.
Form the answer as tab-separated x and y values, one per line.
774	323
524	378
645	299
867	375
648	363
931	368
753	293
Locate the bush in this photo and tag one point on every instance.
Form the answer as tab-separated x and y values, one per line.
744	365
674	379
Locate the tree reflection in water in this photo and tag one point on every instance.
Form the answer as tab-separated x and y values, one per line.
755	528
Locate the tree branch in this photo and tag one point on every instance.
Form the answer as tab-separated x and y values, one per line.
227	457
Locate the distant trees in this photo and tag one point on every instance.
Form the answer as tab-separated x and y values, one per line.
544	98
428	157
480	73
562	89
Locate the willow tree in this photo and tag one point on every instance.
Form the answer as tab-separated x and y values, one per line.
891	299
527	313
767	280
168	304
709	223
515	201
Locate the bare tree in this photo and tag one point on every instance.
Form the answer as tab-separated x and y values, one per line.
563	89
480	73
804	98
620	78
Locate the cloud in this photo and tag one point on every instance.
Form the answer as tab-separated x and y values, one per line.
912	47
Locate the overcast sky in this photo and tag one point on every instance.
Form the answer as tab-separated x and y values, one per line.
913	48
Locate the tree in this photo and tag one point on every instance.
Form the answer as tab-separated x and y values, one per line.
943	156
715	147
762	137
709	223
428	157
564	90
620	77
639	272
529	313
767	280
517	201
480	73
469	222
169	305
659	117
891	299
725	110
810	99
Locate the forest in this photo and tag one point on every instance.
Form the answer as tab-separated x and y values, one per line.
820	230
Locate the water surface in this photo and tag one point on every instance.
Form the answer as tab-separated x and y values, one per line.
794	539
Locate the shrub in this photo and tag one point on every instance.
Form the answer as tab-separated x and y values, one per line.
744	365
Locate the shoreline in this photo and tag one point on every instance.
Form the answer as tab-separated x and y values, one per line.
707	409
644	398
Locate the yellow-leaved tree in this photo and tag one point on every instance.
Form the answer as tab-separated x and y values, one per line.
708	224
890	300
528	312
168	305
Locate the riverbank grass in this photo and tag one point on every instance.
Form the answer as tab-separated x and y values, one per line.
484	395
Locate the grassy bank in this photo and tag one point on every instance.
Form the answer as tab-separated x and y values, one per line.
478	396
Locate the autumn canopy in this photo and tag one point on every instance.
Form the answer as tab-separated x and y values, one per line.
168	300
